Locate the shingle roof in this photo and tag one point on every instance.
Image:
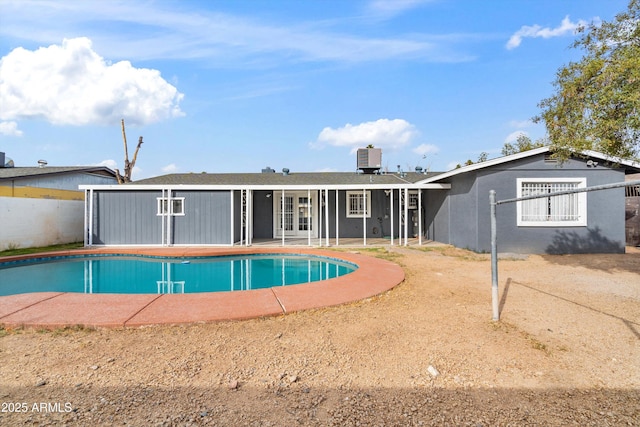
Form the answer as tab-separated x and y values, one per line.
24	172
276	179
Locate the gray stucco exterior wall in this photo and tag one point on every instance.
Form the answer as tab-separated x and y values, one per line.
468	219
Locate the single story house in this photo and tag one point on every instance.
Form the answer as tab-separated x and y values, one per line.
323	208
42	205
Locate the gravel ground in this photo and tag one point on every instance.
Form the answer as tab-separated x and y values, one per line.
565	352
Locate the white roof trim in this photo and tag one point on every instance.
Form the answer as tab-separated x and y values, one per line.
523	155
488	163
227	187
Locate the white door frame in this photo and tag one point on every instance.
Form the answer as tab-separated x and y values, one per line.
296	195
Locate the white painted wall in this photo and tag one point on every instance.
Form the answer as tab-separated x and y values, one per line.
39	222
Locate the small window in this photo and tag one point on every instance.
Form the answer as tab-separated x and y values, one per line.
568	210
356	207
177	206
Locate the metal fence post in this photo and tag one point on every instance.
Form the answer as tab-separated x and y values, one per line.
494	257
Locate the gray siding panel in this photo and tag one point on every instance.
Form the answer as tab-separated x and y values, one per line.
126	218
206	220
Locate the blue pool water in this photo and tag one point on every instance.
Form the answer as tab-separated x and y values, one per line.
153	275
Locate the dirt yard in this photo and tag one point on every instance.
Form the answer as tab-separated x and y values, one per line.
565	352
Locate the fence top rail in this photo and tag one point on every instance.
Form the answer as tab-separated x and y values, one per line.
577	190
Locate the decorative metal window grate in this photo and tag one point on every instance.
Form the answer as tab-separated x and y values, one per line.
558	208
356	206
567	210
632	191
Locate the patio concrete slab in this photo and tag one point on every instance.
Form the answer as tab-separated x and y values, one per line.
208	307
71	309
13	303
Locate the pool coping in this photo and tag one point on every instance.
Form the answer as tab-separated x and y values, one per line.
67	309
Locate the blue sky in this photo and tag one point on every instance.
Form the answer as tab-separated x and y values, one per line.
238	85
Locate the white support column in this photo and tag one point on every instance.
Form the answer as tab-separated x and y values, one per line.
85	224
232	219
91	217
250	217
392	216
326	214
282	215
309	216
364	217
406	216
337	220
400	221
246	217
163	225
420	217
169	195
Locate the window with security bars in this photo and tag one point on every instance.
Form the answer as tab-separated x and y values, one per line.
357	206
546	210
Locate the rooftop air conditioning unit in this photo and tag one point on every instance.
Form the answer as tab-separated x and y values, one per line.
369	159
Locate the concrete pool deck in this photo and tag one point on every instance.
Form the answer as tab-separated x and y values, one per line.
60	309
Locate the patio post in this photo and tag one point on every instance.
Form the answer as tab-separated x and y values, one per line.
337	221
392	216
326	213
364	217
309	216
406	216
231	241
420	217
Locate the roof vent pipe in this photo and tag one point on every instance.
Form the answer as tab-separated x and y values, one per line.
285	171
42	163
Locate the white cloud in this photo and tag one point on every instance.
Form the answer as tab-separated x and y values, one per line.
162	30
10	129
70	84
426	149
534	31
171	168
382	133
110	163
513	136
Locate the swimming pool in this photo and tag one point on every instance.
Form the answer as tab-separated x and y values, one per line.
127	274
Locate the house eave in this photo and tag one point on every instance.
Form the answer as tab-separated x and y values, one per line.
134	187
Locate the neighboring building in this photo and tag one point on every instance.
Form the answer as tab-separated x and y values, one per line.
42	205
322	208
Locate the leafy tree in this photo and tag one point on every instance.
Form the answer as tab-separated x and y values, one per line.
597	101
523	143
